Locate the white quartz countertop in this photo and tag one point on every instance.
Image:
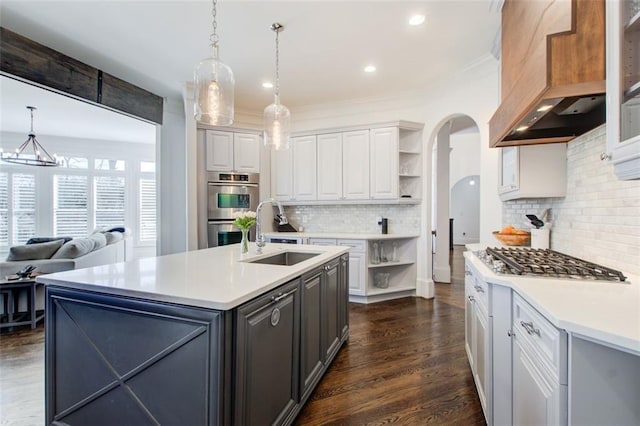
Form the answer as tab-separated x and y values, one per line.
603	311
341	236
216	278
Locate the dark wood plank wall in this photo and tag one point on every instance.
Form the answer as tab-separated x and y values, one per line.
33	62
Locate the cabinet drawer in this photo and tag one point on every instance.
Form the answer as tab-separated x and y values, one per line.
548	343
322	241
356	245
477	287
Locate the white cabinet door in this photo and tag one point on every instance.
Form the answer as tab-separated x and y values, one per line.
282	175
384	163
482	356
304	168
469	344
219	151
533	396
357	273
508	169
330	166
355	165
246	153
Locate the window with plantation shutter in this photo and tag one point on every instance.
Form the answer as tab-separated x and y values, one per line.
70	210
23	191
4	210
147	210
109	202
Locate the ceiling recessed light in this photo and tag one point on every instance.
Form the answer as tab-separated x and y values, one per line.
416	20
369	68
267	85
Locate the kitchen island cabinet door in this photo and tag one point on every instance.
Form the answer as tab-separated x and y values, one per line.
331	304
311	333
343	297
121	361
267	364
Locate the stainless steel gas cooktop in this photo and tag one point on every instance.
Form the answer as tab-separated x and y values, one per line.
544	263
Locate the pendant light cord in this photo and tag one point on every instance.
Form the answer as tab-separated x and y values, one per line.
31	109
214	35
277	64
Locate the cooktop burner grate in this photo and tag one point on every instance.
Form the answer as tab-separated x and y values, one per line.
545	263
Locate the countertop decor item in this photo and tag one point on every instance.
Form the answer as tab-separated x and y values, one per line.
214	85
277	118
244	221
38	156
512	237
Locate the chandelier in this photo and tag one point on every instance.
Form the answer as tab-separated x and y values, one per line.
30	153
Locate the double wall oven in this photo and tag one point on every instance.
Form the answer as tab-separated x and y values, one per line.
229	193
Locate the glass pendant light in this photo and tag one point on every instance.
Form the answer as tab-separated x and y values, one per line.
30	153
277	118
214	84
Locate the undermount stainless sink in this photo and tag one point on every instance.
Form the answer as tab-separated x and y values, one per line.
286	258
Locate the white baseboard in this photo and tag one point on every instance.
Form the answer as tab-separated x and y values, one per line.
425	288
464	241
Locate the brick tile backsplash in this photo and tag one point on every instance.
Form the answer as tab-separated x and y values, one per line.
599	218
403	219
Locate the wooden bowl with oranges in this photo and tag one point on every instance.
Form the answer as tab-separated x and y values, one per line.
511	236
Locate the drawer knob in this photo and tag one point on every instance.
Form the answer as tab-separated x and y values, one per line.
471	298
528	326
478	289
511	333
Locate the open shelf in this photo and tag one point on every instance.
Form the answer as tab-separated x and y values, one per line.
372	291
389	264
634	24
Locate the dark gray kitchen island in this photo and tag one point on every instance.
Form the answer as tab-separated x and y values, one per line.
199	338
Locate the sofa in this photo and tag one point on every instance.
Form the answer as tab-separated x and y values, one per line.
53	254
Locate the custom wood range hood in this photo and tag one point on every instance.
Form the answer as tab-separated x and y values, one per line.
553	71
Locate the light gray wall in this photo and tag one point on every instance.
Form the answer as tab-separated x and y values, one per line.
172	181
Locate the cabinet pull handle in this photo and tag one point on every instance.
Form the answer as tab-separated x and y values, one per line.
478	289
511	333
471	298
467	272
528	326
281	296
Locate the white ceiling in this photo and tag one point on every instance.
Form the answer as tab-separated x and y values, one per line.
325	45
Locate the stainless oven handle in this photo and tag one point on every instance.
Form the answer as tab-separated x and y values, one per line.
222	185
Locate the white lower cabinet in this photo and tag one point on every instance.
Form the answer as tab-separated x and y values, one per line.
383	279
518	358
477	338
537	397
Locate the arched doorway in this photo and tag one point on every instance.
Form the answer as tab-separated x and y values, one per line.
455	158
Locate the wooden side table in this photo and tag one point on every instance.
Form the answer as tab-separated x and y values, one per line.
11	289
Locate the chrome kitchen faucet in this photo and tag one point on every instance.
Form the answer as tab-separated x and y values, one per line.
260	240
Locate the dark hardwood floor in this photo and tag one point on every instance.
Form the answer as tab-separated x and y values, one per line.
404	363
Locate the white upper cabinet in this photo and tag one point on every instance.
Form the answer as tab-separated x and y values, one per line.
623	87
246	152
229	151
384	163
373	165
533	171
330	166
355	165
219	150
304	168
282	175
